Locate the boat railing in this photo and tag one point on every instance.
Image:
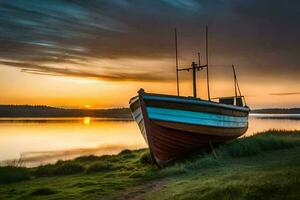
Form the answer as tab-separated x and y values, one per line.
231	100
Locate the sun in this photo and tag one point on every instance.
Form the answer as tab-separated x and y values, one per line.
87	106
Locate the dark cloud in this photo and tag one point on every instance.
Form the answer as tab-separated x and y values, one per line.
260	37
58	71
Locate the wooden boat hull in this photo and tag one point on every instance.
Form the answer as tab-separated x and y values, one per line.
174	126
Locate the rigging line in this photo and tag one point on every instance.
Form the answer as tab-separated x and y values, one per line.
238	87
207	72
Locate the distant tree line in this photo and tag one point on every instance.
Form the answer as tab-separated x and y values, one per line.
47	111
277	111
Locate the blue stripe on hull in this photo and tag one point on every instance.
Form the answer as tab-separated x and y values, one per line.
197	118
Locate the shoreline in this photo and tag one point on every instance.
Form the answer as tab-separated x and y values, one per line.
241	169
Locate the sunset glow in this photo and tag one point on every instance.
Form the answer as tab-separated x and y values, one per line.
106	65
47	90
149	99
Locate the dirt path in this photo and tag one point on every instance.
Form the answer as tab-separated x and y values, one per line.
140	192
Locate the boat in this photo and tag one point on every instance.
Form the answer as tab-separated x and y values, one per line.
174	126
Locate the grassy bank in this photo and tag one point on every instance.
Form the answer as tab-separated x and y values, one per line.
265	166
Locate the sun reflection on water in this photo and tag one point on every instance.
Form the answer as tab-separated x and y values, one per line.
86	120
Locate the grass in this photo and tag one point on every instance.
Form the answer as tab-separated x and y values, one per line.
10	174
264	166
99	166
61	168
270	140
42	191
145	158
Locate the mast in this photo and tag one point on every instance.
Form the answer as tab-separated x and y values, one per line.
199	59
207	74
194	66
199	63
176	54
235	81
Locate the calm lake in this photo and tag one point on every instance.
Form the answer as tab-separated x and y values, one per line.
35	141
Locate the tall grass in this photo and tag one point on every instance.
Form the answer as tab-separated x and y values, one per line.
59	169
11	174
99	166
42	191
145	158
265	141
242	147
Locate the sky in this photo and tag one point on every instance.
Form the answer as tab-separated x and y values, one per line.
98	54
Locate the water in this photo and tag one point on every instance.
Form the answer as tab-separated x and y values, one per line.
40	141
46	140
262	122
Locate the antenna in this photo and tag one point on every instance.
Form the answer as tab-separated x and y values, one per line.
176	54
194	67
207	75
199	59
199	63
